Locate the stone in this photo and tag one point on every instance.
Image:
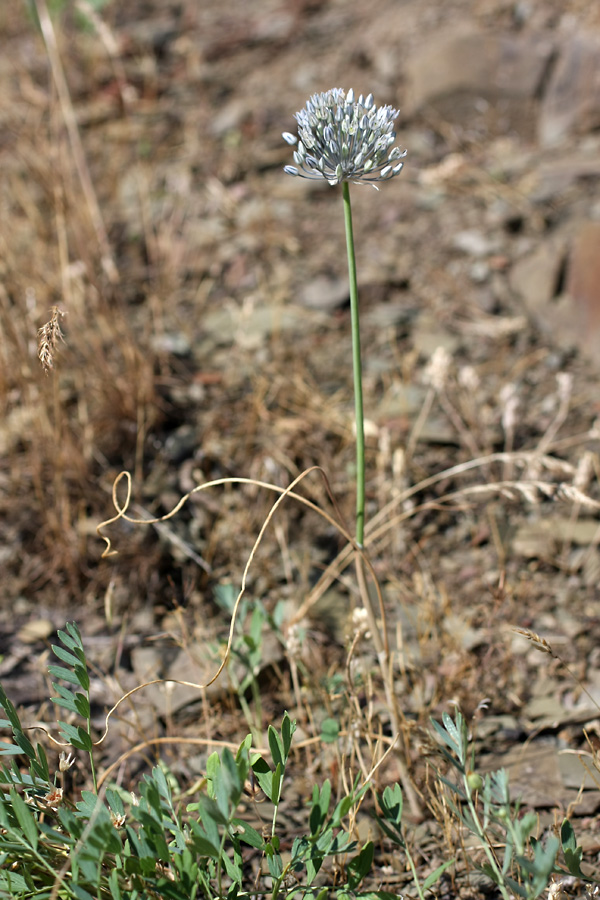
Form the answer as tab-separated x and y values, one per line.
535	277
583	288
554	177
325	293
571	102
466	73
570	319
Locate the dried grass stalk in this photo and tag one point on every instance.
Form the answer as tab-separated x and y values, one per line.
48	337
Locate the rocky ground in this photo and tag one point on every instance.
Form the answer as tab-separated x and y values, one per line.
207	335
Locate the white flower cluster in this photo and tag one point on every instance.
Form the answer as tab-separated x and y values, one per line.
343	139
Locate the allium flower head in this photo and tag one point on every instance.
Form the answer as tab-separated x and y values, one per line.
343	139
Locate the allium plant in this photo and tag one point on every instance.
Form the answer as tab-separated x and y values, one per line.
343	140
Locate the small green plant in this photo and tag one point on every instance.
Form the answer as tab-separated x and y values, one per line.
120	846
246	651
78	702
390	821
484	807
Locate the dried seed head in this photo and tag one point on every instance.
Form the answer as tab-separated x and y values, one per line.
436	373
65	761
48	337
510	402
343	139
585	471
468	378
564	382
538	642
360	622
294	641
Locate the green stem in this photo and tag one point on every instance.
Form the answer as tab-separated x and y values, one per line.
357	367
478	830
91	752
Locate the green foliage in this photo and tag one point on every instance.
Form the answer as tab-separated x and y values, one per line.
390	822
114	846
73	654
246	654
483	805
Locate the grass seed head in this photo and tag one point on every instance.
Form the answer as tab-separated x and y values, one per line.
48	337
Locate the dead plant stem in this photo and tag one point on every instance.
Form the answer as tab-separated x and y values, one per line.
77	150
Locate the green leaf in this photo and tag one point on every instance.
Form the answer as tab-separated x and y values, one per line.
13	883
248	834
65	656
360	865
40	766
434	876
77	703
24	743
275	746
65	674
115	802
454	730
276	784
10	710
87	804
76	736
288	727
25	818
73	638
81	893
244	747
567	836
541	867
274	861
64	692
453	787
209	810
161	782
202	843
571	851
83	677
213	765
113	884
320	806
330	730
7	749
376	895
392	805
263	775
83	706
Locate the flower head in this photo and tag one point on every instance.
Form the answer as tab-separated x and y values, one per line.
343	139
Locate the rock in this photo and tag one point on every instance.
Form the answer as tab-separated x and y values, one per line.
572	318
324	293
175	343
583	287
535	279
473	242
571	102
453	72
35	630
554	177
